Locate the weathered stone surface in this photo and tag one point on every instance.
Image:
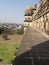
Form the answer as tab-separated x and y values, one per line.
34	49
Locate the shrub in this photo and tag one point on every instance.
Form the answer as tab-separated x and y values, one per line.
5	36
4	30
20	31
1	60
1	30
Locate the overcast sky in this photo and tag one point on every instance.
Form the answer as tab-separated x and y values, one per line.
12	11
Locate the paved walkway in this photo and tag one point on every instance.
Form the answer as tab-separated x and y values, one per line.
43	33
34	49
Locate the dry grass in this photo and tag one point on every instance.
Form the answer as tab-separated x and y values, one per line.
13	39
8	48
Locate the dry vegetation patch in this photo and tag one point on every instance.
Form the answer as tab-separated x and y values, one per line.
8	48
13	39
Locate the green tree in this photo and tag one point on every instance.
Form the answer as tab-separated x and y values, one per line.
20	31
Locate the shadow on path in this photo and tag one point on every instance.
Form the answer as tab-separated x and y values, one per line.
37	55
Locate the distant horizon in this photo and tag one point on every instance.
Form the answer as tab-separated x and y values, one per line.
13	22
10	23
12	11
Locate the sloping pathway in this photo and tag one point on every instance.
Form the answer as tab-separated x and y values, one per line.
34	49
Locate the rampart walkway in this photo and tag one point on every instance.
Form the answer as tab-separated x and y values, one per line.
34	49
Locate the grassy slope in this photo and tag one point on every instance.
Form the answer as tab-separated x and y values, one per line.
7	52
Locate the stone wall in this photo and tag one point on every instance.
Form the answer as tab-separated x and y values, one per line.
41	18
